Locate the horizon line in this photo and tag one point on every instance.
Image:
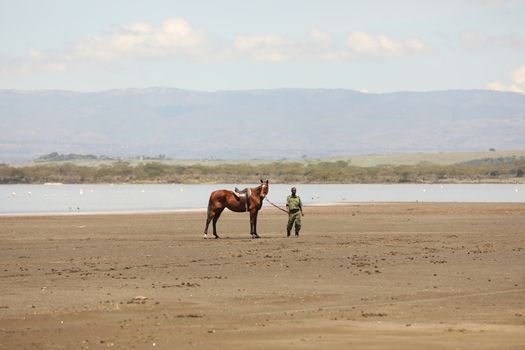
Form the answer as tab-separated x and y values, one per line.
358	91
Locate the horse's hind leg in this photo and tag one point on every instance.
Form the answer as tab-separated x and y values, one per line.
216	217
211	214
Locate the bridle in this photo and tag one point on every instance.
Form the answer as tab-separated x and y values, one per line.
264	186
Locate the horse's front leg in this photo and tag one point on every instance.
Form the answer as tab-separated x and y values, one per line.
253	224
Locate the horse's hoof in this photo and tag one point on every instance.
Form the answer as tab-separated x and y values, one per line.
217	237
205	236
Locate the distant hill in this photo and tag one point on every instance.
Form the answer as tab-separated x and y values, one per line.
256	124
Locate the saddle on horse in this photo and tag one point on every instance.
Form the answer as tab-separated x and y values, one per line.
243	194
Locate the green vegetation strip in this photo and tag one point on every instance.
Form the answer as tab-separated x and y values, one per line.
504	169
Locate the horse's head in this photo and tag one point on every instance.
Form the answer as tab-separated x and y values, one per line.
264	188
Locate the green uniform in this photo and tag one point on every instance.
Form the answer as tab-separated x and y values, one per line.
294	216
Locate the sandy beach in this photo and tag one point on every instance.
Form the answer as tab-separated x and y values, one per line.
366	276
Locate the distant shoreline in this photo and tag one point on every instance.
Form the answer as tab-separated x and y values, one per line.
264	209
417	168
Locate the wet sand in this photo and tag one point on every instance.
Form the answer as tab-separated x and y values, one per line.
367	276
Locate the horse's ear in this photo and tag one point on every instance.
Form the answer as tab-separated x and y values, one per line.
261	180
267	182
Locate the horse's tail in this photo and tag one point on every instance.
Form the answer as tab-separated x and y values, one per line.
209	203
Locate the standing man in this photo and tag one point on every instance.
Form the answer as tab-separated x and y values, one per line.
295	211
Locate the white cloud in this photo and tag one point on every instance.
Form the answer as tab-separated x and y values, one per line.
369	45
176	38
322	39
322	46
497	86
518	75
35	60
517	85
265	47
363	43
415	46
276	48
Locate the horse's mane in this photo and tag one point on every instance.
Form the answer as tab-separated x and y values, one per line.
257	189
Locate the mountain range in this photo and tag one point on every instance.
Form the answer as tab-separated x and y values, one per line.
256	124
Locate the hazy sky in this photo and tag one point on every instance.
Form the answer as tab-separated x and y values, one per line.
376	46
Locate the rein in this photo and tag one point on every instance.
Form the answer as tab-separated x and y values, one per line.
278	207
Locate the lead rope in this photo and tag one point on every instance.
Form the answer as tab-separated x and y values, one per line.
278	207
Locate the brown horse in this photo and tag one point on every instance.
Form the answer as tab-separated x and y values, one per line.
251	200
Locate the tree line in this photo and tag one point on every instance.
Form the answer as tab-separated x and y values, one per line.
510	170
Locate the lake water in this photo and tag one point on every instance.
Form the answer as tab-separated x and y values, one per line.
44	199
